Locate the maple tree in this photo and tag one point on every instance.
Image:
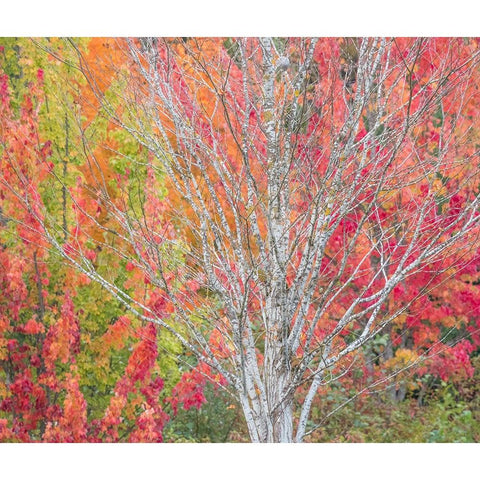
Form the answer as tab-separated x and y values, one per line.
74	366
286	210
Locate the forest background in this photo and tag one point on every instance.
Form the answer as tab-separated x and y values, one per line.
76	366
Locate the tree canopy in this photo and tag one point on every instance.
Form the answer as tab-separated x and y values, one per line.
282	225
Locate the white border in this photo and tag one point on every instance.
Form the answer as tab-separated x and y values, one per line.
244	17
238	461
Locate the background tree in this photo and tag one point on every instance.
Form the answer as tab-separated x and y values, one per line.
74	365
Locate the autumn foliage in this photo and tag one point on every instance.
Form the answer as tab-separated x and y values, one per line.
48	352
94	323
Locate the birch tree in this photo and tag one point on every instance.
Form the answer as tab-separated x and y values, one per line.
305	181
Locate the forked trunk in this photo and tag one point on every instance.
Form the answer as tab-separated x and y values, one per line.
273	427
269	414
